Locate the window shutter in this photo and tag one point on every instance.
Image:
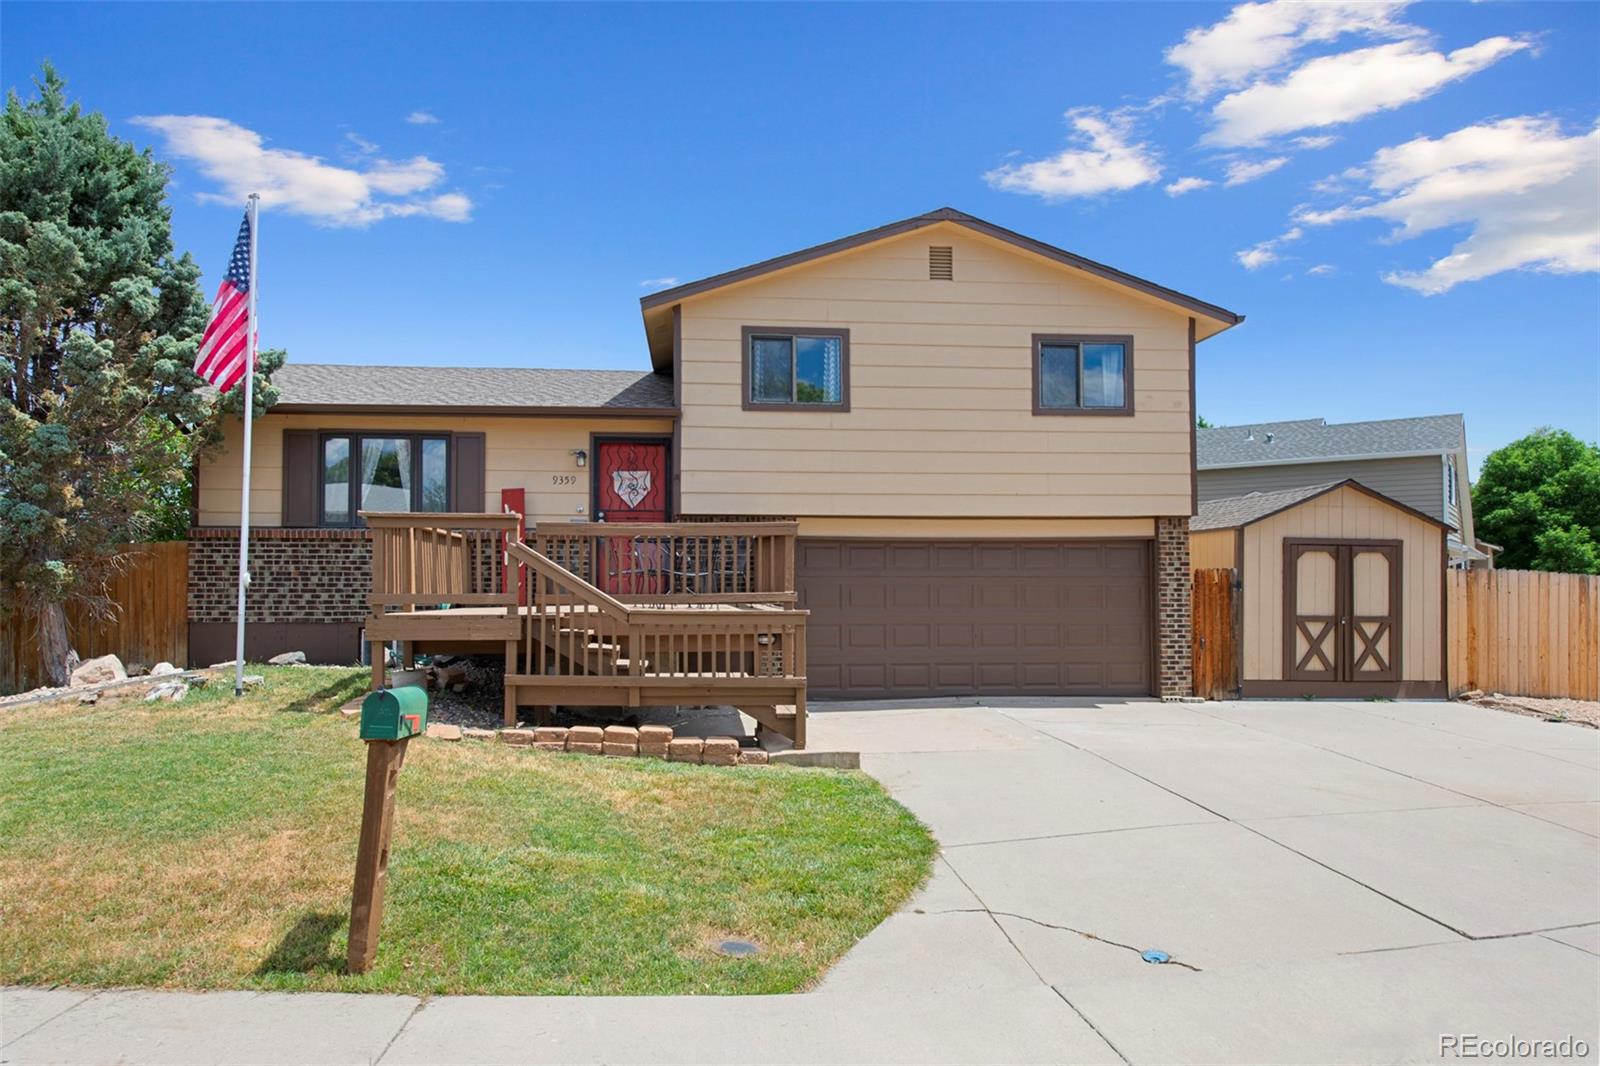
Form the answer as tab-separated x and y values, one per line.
941	263
466	473
299	477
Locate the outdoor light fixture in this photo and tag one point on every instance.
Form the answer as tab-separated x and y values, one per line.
582	457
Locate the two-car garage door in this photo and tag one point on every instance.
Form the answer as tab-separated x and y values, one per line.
945	617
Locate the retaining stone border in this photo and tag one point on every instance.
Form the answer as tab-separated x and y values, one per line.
645	742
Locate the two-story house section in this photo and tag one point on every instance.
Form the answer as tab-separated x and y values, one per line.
1421	462
987	443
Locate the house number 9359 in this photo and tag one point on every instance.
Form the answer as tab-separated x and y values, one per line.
563	479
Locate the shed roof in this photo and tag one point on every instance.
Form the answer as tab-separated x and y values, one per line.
1235	511
492	390
1315	440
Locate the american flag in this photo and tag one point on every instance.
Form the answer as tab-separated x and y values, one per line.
222	356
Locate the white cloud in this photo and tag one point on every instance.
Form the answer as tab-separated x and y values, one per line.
1258	256
658	283
1313	143
1322	270
238	160
1341	88
361	144
1242	171
1106	159
1183	185
1527	191
422	118
1261	37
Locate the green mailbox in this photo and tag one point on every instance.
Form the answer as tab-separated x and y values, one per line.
394	713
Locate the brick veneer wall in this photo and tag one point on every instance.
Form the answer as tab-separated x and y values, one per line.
1174	630
296	575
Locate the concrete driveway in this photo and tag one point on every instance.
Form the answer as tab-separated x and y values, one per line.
1334	882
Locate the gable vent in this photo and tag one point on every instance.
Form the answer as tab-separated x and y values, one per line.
941	263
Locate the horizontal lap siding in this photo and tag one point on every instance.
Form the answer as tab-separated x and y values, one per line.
527	453
1344	515
941	396
1417	482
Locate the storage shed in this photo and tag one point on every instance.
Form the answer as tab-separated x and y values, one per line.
1341	591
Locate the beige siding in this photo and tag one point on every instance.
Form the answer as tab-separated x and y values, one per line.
979	528
1346	515
527	453
941	421
1213	548
1417	482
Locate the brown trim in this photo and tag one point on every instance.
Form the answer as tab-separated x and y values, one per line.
1238	604
1155	610
1080	339
280	533
596	439
1348	482
194	491
1344	690
676	506
1343	609
454	410
746	333
1444	609
302	478
1194	419
943	214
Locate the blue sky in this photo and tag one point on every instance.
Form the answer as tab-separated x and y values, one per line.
497	185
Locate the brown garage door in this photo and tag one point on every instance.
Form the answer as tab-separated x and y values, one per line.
925	618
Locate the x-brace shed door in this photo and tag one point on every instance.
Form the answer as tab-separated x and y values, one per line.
1341	610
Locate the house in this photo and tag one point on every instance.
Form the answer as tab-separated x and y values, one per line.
1341	591
1422	462
969	455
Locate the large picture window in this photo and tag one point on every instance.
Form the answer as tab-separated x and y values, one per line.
798	369
382	472
1082	375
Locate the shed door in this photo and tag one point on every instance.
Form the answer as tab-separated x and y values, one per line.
1341	611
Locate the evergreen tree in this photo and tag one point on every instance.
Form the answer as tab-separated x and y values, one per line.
101	415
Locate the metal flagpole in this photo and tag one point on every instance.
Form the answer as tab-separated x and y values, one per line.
249	412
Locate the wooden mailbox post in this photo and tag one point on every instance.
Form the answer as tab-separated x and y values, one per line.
389	719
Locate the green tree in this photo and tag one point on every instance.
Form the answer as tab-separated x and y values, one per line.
101	415
1539	498
1202	422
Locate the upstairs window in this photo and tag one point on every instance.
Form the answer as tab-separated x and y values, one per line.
382	472
800	369
1082	375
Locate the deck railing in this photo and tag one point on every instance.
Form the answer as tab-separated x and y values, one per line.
575	630
677	562
424	560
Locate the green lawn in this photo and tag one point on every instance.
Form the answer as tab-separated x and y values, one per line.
211	844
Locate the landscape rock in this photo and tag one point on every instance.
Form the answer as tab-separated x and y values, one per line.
89	699
252	680
752	757
474	733
443	731
167	690
137	669
550	738
351	709
653	739
518	737
621	740
685	749
288	658
164	668
228	665
98	671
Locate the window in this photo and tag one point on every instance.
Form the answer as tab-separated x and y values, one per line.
388	472
1082	375
793	368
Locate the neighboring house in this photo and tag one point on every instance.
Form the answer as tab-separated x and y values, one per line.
1421	462
987	443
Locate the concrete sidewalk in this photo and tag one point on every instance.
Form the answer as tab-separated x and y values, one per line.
1335	882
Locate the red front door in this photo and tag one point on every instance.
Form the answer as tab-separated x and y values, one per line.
631	484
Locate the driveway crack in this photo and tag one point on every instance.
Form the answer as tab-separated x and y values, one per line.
1063	928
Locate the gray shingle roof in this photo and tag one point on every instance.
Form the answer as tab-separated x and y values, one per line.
1310	440
1242	510
334	385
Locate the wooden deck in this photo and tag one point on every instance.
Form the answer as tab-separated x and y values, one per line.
682	614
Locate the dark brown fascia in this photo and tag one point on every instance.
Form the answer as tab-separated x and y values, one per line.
943	214
448	410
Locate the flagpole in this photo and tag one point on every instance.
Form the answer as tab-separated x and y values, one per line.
249	413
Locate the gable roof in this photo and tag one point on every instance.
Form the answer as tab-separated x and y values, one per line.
1236	511
332	388
1314	440
666	297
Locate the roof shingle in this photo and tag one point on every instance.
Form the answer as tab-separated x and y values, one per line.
1313	439
313	385
1237	511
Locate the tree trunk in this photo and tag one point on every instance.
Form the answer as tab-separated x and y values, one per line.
53	645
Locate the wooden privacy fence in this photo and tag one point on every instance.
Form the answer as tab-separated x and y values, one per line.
1216	633
151	623
1524	633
